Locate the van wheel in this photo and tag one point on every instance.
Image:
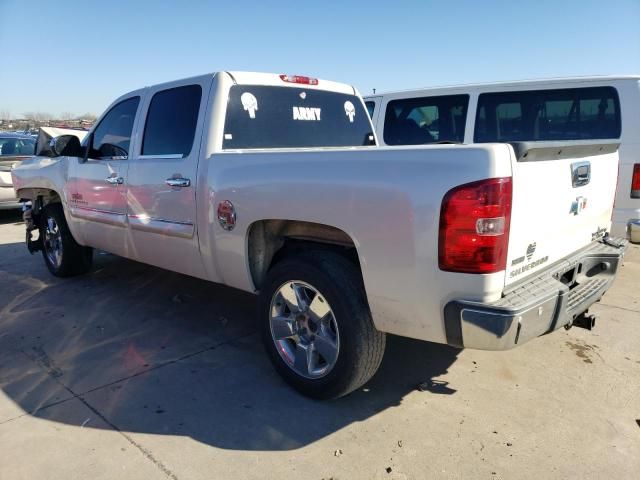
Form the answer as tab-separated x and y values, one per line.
63	256
317	327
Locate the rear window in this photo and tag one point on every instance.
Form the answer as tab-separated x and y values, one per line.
567	114
285	117
418	121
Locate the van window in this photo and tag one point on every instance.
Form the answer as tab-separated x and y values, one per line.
371	107
111	138
566	114
171	121
416	121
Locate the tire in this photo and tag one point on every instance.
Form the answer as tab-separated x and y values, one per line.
63	256
346	324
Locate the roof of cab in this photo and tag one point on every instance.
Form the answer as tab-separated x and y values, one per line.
258	78
246	78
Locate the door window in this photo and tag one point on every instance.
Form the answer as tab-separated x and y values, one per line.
112	136
171	122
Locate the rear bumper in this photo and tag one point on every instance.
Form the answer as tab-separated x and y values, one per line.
554	298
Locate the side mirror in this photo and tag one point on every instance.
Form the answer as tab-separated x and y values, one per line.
66	146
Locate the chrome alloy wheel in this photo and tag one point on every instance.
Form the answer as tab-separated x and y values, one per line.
53	242
304	329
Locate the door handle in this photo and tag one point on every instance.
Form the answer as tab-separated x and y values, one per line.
178	182
115	180
580	173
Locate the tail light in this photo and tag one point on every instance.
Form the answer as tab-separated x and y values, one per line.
474	227
299	79
635	181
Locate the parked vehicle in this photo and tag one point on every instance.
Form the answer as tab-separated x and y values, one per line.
272	184
14	148
583	108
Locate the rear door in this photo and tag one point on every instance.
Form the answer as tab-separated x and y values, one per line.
564	171
162	177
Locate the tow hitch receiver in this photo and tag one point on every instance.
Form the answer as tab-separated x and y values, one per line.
585	320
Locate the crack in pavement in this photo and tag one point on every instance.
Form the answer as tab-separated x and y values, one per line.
145	452
619	308
43	362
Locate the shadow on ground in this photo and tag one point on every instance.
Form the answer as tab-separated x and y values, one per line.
156	352
10	216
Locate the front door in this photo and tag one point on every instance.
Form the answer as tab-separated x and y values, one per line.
97	203
161	183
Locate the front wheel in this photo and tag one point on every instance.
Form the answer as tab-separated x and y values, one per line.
317	327
63	256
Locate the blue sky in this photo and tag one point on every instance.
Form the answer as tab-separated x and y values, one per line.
77	56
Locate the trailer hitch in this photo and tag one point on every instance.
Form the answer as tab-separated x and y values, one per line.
585	320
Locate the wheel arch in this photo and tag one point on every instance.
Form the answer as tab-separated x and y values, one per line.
44	195
268	241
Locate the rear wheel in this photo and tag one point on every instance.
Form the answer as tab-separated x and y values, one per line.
63	256
317	327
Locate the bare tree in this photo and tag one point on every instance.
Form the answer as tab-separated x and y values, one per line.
86	116
5	115
37	116
66	116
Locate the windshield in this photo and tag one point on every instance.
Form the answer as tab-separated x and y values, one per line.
17	146
284	117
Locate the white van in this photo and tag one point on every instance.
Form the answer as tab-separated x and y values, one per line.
582	108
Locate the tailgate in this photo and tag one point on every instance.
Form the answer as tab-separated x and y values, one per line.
562	201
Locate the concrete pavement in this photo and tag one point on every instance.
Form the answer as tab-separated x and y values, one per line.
134	372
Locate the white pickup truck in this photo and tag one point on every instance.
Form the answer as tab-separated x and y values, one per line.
273	184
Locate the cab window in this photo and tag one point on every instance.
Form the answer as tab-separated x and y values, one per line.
264	116
171	121
112	136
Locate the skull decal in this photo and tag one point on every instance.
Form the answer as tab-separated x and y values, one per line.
349	110
249	103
